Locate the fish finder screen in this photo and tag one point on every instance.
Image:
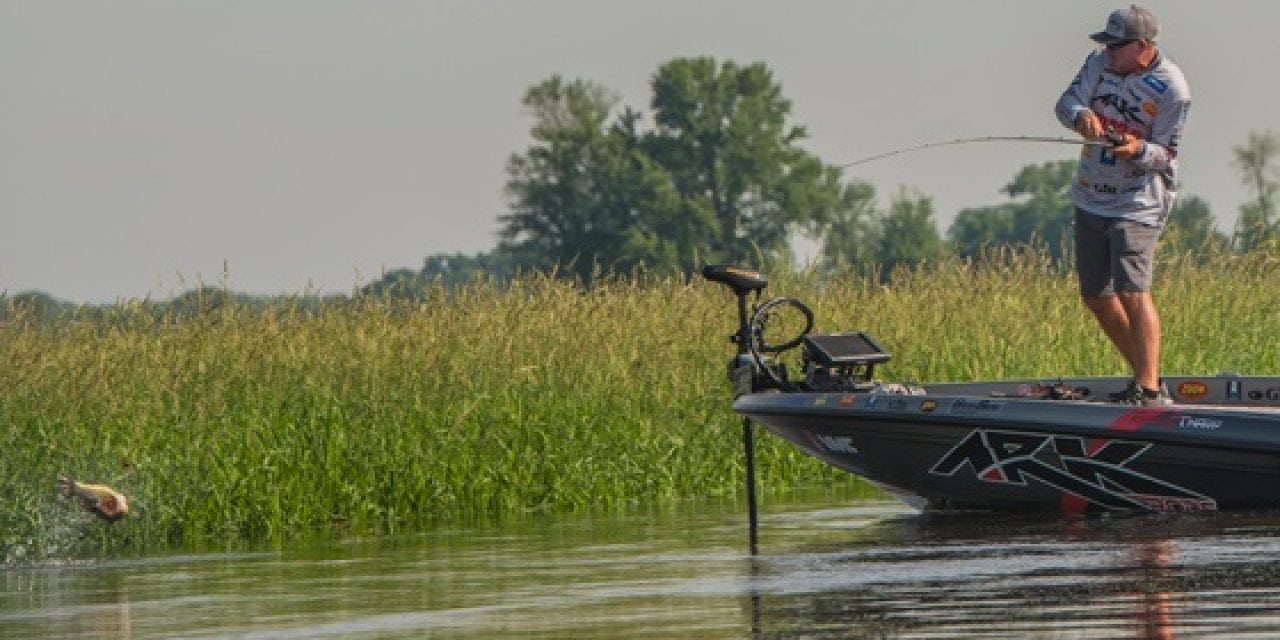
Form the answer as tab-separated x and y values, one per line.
844	349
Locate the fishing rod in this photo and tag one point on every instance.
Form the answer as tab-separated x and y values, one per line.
1111	139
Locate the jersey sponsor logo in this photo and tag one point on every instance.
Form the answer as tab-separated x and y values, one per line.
1155	83
1128	111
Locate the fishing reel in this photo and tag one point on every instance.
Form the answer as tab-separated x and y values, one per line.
828	362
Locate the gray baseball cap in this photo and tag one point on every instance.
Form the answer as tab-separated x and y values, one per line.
1128	23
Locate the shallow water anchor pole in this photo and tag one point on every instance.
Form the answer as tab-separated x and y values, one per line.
749	446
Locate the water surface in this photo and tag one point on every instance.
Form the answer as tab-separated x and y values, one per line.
874	569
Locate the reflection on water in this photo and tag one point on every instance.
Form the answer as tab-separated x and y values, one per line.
868	570
1160	576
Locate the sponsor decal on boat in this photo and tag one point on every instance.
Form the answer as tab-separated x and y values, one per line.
1191	422
1091	469
820	401
1270	393
872	401
834	444
1136	419
969	407
847	400
928	406
1193	389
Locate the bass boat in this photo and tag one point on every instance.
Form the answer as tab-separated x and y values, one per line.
1008	445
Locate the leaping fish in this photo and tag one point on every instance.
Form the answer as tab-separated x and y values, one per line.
98	499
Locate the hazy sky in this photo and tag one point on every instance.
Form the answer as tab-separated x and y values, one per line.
280	146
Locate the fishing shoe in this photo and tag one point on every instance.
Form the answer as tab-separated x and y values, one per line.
1141	396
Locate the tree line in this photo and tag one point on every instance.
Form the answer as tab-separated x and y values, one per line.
716	173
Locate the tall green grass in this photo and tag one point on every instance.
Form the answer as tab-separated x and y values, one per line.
379	416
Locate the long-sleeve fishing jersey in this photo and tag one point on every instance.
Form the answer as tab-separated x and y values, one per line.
1151	104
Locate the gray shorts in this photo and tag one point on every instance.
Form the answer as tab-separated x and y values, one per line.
1113	254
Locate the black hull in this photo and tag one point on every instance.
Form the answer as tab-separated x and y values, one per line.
954	449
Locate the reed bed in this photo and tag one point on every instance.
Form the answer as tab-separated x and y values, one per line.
376	416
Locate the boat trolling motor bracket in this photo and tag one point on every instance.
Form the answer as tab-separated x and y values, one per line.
831	362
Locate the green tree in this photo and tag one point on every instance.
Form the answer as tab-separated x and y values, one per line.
1041	215
399	284
976	230
908	237
447	270
720	177
639	192
459	268
562	186
35	306
743	182
1045	213
851	236
1190	228
1255	159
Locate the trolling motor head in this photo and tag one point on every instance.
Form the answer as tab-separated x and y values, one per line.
740	279
743	282
744	369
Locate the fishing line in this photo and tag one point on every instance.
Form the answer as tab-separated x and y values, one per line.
1101	142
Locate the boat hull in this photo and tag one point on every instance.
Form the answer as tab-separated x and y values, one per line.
952	448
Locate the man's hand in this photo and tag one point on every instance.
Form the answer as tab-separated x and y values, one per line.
1131	147
1089	125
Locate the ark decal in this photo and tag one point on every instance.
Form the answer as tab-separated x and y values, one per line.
1096	470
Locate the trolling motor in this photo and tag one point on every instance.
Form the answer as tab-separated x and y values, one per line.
829	362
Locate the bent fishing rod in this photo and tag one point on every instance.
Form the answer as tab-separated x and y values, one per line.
1111	139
